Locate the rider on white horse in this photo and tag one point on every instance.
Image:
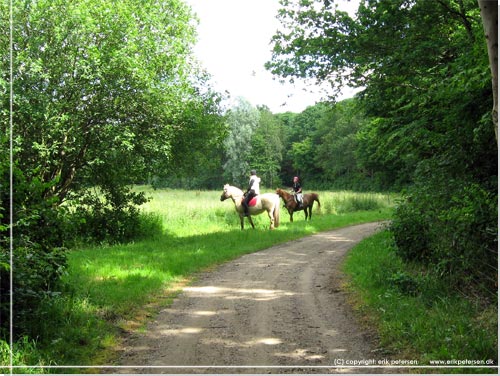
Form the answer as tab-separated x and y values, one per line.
252	191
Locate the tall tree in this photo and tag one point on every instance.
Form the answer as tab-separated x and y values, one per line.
102	88
489	14
242	120
411	56
336	151
104	94
267	147
302	138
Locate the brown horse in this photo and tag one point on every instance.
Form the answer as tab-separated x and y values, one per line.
292	206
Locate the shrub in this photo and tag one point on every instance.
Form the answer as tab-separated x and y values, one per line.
113	216
411	227
451	231
38	255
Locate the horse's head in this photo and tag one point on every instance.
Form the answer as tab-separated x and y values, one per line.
287	197
225	193
230	192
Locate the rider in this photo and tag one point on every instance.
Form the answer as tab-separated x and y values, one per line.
297	191
252	191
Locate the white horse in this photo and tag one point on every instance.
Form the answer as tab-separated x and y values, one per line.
269	202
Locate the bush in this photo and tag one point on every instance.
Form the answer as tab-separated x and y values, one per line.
38	255
410	227
35	277
451	231
113	217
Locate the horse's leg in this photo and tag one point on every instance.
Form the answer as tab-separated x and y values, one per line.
290	211
242	221
251	221
270	213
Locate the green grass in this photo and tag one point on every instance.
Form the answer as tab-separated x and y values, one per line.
113	288
415	314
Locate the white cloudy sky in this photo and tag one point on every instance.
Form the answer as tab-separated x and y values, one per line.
234	44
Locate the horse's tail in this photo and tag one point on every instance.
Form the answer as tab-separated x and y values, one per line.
316	198
276	213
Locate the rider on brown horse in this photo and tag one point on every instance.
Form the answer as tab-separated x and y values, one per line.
297	191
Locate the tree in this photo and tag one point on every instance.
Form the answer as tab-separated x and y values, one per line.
427	94
267	147
101	88
412	57
105	93
301	140
242	120
489	14
336	152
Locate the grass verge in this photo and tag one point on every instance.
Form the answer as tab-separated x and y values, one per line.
415	314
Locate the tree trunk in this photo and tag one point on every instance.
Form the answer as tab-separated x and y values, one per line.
489	15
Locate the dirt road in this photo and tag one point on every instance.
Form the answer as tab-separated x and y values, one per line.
280	310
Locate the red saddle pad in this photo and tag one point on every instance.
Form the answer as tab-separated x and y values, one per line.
253	201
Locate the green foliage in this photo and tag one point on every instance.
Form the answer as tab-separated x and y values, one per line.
113	217
426	105
38	255
325	146
301	138
242	121
105	94
24	353
36	272
452	232
113	101
416	314
267	147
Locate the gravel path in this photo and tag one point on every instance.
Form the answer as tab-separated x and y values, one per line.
280	310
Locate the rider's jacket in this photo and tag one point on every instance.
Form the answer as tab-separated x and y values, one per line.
297	187
254	184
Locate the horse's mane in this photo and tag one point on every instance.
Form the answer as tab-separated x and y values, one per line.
283	194
232	187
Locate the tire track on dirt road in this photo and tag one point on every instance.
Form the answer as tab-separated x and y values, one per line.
279	310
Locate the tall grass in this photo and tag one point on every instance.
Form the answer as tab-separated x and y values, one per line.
348	201
111	288
188	212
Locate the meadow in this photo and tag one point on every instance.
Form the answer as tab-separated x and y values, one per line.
111	289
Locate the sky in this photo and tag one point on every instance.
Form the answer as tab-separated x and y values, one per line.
234	44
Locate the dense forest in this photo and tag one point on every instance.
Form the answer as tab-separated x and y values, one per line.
105	95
